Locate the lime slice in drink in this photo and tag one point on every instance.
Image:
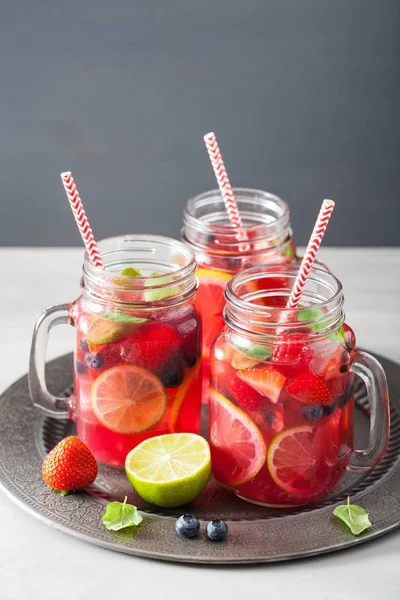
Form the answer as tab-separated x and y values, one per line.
169	470
111	327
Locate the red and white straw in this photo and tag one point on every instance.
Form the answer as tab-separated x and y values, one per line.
311	252
81	219
306	265
222	178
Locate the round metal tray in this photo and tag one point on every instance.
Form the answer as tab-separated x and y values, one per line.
256	534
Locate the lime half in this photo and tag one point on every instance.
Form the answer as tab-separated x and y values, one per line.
169	470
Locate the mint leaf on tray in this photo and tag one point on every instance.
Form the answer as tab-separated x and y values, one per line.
119	515
355	517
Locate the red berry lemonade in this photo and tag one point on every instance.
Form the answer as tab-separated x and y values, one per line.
281	403
144	381
138	347
220	251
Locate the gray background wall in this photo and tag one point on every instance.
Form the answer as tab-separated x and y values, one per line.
303	96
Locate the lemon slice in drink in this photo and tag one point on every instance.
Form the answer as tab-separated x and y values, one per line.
169	470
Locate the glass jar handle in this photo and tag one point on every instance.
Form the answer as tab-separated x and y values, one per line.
371	372
51	406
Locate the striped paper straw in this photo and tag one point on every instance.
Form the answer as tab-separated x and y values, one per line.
311	253
314	243
81	219
222	178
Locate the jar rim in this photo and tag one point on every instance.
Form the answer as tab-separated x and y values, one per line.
160	239
330	307
166	282
242	194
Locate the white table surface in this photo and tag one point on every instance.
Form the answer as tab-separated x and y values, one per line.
37	562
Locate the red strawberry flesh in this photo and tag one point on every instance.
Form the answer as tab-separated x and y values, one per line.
244	395
152	346
310	389
266	380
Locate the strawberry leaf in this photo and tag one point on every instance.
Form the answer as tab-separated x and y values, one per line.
119	515
355	517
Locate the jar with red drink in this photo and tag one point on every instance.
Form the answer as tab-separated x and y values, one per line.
222	250
282	390
137	352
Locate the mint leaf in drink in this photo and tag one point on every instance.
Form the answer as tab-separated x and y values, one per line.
160	293
339	336
288	252
311	314
131	272
123	318
257	351
355	517
249	356
119	515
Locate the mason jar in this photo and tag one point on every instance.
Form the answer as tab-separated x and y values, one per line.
137	350
282	390
222	250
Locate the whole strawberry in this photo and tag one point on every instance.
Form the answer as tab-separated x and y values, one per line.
69	466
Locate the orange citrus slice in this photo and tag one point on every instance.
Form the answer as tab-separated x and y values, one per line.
180	396
211	290
293	459
210	298
238	445
128	399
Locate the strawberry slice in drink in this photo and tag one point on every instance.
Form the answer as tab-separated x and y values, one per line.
237	446
266	380
243	394
310	389
226	380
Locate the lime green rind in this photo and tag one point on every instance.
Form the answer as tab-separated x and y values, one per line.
110	327
173	493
